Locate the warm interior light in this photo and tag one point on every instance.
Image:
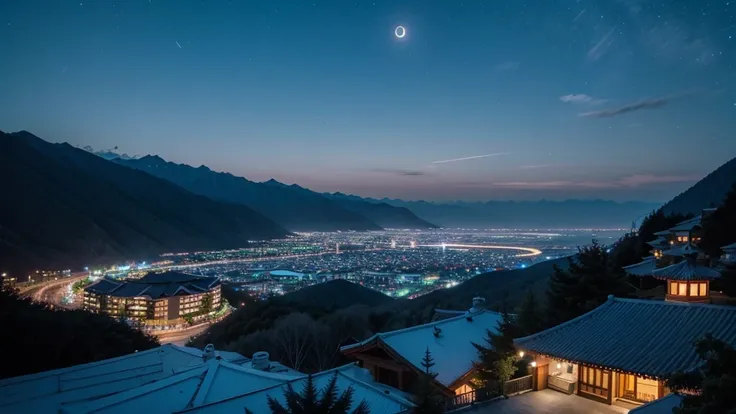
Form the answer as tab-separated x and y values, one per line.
559	365
534	364
521	354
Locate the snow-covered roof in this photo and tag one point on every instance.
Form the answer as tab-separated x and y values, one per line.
663	405
46	391
659	242
662	233
643	268
257	401
213	381
729	248
687	269
687	225
452	350
686	249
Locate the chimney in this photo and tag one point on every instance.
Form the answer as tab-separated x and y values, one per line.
260	361
208	352
479	303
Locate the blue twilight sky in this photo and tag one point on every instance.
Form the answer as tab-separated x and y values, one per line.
502	99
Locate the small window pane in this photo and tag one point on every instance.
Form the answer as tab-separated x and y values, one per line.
673	288
693	289
682	289
703	289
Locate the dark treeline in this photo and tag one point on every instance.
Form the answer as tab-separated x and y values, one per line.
37	338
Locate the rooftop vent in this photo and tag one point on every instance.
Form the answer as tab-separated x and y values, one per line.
208	352
479	303
260	361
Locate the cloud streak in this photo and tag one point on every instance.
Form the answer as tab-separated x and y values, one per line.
400	172
631	181
474	157
631	107
582	98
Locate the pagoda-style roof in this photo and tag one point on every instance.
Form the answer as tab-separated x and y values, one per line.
649	338
686	249
643	268
686	270
659	242
688	224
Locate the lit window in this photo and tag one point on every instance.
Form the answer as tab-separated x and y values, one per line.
703	289
693	289
673	288
682	289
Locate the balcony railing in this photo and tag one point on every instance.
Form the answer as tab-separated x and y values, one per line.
518	385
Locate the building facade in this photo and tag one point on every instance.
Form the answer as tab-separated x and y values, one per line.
169	298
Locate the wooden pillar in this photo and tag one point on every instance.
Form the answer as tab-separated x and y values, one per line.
610	387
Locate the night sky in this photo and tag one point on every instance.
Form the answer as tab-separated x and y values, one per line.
615	99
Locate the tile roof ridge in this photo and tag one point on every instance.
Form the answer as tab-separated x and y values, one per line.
373	388
611	300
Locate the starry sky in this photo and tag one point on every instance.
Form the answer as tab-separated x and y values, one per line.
481	100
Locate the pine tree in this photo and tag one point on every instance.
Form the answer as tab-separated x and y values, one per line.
720	227
530	319
714	382
590	277
426	397
497	360
309	400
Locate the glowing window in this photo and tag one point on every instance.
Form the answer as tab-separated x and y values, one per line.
693	289
673	288
682	289
703	289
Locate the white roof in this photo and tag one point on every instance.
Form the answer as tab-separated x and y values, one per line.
210	382
643	268
46	391
285	273
687	225
663	405
257	401
453	351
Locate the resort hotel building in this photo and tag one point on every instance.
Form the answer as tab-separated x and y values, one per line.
169	298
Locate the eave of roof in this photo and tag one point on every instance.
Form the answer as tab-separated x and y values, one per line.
686	270
644	337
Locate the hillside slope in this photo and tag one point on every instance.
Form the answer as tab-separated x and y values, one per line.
708	192
293	207
66	207
335	294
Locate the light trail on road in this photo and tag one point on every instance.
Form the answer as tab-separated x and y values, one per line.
530	250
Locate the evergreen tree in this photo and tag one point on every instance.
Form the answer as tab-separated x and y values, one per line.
714	382
497	360
590	277
310	401
530	318
720	227
426	397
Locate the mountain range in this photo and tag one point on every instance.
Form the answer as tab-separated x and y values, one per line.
708	192
64	207
294	207
522	214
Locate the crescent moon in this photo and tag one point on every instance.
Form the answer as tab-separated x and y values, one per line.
400	31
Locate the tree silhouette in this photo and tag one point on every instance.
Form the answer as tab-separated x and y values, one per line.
591	276
497	361
426	397
712	387
310	401
530	319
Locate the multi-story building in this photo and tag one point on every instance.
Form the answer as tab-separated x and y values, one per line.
156	298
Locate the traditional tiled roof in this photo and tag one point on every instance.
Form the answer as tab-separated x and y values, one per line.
450	342
155	285
686	249
206	383
687	269
643	268
46	391
659	242
661	406
687	225
729	248
379	399
645	337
